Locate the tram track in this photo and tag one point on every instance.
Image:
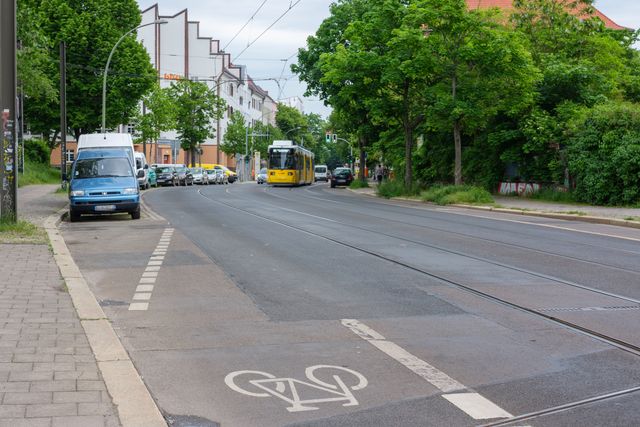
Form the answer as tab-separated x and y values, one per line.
612	341
517	419
492	262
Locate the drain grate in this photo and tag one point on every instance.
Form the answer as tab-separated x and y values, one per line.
612	308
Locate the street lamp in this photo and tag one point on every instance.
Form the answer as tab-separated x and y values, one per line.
106	68
291	130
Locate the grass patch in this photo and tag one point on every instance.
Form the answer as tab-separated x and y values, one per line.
38	173
456	194
579	213
396	188
553	195
359	184
632	218
21	232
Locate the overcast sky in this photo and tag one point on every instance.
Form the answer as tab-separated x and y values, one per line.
267	57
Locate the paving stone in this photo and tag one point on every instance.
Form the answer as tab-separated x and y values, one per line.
27	398
31	376
76	396
25	422
12	411
95	408
61	385
19	387
87	385
52	410
86	421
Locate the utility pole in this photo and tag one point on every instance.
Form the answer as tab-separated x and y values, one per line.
63	113
8	84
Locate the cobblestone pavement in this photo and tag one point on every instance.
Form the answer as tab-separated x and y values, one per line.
48	374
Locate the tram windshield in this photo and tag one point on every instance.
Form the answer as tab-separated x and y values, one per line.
282	158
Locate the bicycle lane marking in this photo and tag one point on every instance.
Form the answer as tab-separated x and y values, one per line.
473	404
145	287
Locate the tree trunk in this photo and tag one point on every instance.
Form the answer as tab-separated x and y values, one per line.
408	149
363	163
458	149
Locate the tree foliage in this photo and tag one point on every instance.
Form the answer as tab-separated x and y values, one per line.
196	109
156	115
90	29
484	94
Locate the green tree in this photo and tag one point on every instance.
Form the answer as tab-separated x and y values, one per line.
90	29
235	137
481	69
197	109
157	115
291	122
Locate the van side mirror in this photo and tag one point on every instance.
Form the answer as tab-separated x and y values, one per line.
146	166
140	173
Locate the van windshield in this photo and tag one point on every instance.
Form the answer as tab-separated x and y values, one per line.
102	168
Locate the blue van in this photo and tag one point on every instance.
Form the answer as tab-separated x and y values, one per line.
103	182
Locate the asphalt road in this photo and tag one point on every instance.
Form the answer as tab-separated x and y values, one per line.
249	305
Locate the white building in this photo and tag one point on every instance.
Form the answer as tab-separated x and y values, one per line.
293	102
178	51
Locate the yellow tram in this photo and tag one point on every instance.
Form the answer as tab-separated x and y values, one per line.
289	164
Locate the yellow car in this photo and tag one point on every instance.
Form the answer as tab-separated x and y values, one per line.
231	175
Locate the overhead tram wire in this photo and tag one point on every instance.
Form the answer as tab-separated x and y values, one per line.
281	89
291	6
245	24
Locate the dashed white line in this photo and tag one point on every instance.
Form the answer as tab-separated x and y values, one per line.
145	288
473	404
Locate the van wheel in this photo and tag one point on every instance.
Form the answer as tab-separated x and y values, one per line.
135	214
74	216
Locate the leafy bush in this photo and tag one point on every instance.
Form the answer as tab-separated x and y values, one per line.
604	155
396	188
452	194
359	184
38	173
36	151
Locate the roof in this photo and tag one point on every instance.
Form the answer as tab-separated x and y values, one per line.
508	4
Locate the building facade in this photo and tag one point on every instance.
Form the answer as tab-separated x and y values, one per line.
178	51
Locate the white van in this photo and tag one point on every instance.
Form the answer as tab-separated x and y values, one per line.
96	141
321	173
141	165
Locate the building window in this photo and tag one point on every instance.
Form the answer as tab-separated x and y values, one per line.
70	156
241	100
229	111
131	129
231	89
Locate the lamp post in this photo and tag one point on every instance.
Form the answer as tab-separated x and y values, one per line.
106	68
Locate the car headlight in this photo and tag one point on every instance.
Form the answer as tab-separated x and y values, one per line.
130	191
76	193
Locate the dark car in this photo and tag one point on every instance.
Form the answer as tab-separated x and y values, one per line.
184	176
341	176
166	175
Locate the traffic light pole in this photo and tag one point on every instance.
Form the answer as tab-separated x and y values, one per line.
8	85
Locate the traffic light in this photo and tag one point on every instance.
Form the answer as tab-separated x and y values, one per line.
335	137
327	137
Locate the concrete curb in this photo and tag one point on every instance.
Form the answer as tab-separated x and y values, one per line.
136	407
554	215
541	214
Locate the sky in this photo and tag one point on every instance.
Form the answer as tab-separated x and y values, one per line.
270	56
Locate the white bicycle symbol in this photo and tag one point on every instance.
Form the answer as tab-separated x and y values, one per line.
265	384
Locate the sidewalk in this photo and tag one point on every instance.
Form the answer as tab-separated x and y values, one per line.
629	217
48	373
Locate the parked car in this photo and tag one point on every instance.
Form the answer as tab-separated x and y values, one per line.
321	173
221	177
261	178
184	176
166	175
153	178
141	165
103	182
341	176
200	176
